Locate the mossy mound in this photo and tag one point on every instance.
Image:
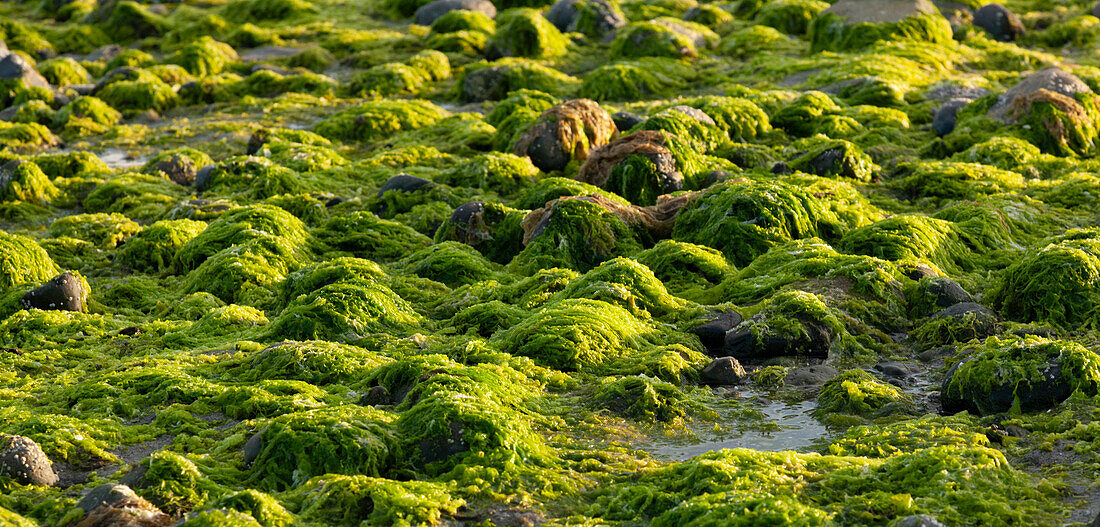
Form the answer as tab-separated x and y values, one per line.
625	283
365	235
315	362
24	181
1053	283
524	32
744	219
1032	374
500	172
682	266
345	312
24	262
493	81
349	500
450	262
581	334
106	231
337	440
271	227
342	269
576	233
857	392
377	120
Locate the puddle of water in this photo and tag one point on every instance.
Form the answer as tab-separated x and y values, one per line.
113	157
797	431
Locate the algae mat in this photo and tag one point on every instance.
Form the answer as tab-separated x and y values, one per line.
525	262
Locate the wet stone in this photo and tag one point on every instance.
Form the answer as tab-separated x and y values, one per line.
253	447
65	292
202	176
943	120
1001	23
105	494
947	292
179	169
23	460
723	371
430	12
564	15
917	520
403	183
815	375
14	66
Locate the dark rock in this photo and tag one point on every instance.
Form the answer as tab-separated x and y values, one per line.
781	167
332	202
129	331
917	520
1053	79
403	183
625	120
135	478
257	141
64	292
810	375
814	340
1001	23
428	13
895	369
202	177
723	371
253	447
1046	333
467	212
715	176
943	119
179	169
564	132
121	73
105	494
14	66
439	448
1001	392
945	291
514	518
1096	13
376	396
972	321
605	18
23	460
485	84
963	308
713	333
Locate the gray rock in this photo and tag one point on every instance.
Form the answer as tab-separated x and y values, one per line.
999	22
1053	78
105	53
917	520
943	120
202	177
430	12
879	11
105	494
376	396
694	113
723	371
121	73
1096	13
14	66
946	291
810	375
485	84
64	292
564	16
23	460
942	92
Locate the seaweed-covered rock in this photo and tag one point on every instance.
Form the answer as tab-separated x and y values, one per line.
1032	374
64	292
1053	283
594	18
576	233
836	158
933	293
800	116
22	261
642	166
744	219
154	248
23	460
491	228
960	322
1001	23
626	283
662	37
1054	109
712	332
428	13
493	81
15	67
792	17
349	500
683	266
345	311
275	228
789	323
500	172
24	181
452	263
854	24
565	132
381	119
365	235
337	440
524	32
180	165
857	392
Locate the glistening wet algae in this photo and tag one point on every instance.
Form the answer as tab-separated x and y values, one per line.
370	263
